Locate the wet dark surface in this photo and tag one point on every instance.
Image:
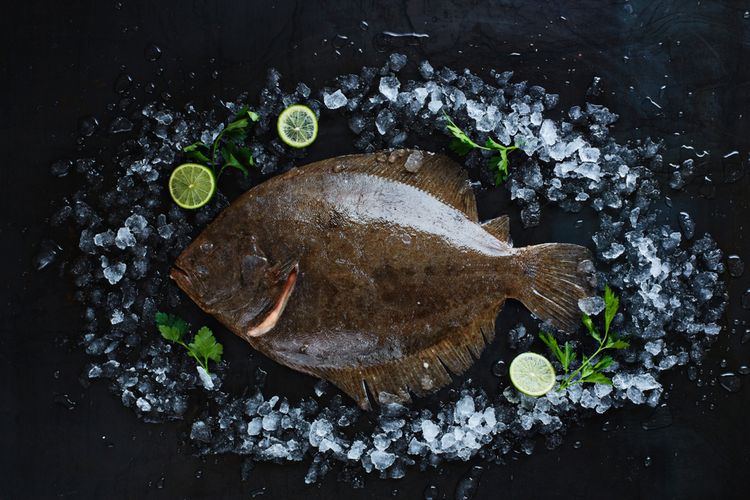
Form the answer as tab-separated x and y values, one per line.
60	63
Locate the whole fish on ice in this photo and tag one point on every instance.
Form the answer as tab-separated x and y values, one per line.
373	272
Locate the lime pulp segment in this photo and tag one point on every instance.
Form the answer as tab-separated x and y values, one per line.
532	374
298	126
192	185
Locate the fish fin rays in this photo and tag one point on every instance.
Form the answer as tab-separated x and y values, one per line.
499	227
420	373
437	175
553	280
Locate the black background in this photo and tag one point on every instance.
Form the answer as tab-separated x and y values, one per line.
59	62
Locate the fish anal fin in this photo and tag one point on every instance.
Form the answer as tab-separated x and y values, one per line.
499	227
420	373
433	173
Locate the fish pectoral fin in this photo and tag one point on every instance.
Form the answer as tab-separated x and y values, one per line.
282	269
272	317
499	227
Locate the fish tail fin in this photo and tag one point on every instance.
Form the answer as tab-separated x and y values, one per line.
554	276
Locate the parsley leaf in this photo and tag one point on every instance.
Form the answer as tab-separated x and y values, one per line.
551	342
228	149
204	346
591	367
462	145
171	327
197	151
611	304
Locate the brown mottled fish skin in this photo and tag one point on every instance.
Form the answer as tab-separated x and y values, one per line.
391	281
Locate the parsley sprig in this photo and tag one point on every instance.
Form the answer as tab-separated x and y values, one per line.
592	366
204	346
228	149
462	144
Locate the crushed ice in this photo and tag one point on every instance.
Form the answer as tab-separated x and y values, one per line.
669	277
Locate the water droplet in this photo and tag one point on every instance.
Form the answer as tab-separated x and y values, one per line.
467	487
56	374
730	381
87	125
149	88
735	266
152	52
199	474
166	96
258	492
340	41
431	492
206	246
125	103
743	370
723	363
363	25
160	482
123	83
65	401
118	5
499	369
746	299
215	74
647	461
746	15
577	445
662	417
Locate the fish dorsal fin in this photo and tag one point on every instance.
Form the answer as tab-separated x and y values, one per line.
420	373
499	227
433	173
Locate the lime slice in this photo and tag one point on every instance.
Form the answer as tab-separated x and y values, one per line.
297	126
532	374
192	185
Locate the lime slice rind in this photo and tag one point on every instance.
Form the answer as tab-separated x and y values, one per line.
192	185
297	126
532	374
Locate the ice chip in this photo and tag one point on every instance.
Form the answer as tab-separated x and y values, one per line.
334	100
205	378
589	154
548	132
124	238
385	121
414	162
382	459
429	430
591	305
397	61
115	272
389	86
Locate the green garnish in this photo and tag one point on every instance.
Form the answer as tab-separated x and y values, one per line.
229	144
592	366
462	144
204	346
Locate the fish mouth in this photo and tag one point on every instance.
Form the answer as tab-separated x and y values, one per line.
272	317
181	278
